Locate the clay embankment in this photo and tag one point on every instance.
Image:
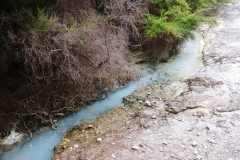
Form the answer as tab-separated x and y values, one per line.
194	119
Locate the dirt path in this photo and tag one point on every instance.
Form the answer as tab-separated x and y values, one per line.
195	119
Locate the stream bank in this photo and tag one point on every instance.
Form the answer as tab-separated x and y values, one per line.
197	118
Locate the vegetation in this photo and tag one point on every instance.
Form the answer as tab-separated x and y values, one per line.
58	56
169	21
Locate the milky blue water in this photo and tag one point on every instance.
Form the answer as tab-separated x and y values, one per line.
185	64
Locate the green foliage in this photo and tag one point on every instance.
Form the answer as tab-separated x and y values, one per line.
226	1
177	17
39	22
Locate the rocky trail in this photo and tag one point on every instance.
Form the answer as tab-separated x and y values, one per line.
197	118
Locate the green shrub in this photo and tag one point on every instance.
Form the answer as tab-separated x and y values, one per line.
177	17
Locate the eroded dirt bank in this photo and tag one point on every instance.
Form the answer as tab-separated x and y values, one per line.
198	118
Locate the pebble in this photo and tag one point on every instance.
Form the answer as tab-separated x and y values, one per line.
149	93
227	131
90	126
99	139
210	140
237	59
194	143
75	146
199	157
195	152
113	155
165	143
148	103
154	116
135	147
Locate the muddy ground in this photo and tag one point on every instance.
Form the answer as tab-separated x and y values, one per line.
198	118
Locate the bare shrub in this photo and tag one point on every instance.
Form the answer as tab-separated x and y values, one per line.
61	64
128	15
159	48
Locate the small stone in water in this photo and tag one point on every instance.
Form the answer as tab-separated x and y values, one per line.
99	139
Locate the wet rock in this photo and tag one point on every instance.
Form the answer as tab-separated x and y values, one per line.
11	141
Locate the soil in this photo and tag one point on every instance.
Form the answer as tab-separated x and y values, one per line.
197	118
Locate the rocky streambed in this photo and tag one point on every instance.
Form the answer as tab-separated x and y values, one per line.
197	118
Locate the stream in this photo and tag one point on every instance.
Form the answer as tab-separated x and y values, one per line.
182	66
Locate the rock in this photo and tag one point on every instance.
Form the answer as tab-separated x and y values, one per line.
154	116
195	152
75	146
237	59
149	93
199	157
165	142
161	149
135	147
90	126
113	155
148	103
194	143
99	139
210	141
9	142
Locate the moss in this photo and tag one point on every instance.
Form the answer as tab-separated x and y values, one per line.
64	143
